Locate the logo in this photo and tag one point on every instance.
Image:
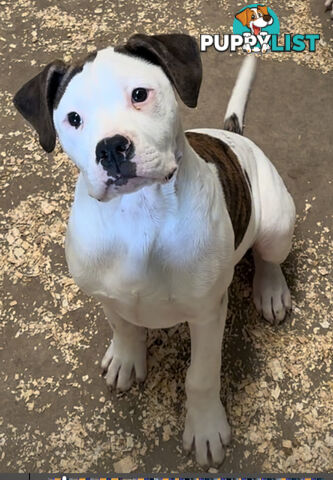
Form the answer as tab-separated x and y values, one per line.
256	23
257	29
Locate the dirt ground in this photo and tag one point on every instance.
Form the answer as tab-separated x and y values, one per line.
56	412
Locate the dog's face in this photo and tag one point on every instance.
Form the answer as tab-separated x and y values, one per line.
255	18
116	116
117	120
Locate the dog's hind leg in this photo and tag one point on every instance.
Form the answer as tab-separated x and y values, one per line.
270	291
273	243
125	359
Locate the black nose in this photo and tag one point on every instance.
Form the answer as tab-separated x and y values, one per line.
114	153
267	18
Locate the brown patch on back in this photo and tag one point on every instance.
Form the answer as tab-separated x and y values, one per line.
235	185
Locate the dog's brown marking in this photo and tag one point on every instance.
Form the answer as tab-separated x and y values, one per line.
245	16
177	54
71	72
232	124
235	182
248	180
263	9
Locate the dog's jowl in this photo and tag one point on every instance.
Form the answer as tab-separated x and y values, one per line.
160	218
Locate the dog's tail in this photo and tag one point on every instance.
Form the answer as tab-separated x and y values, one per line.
234	118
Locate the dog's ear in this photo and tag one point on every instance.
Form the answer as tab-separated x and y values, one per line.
35	101
179	57
263	9
244	16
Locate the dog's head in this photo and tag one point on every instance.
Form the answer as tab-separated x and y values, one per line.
116	115
255	18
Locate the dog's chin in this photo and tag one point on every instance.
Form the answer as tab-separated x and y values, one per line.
125	186
130	185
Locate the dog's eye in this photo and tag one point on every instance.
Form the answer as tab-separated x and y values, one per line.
74	119
139	95
253	17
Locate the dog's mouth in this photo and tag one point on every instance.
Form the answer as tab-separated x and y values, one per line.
129	184
256	30
121	180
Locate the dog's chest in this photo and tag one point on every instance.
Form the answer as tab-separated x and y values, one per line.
144	262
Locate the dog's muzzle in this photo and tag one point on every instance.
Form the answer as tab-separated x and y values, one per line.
114	154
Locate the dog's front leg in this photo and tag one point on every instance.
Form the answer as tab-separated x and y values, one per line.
206	426
125	359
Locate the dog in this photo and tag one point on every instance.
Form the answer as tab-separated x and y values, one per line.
161	217
255	18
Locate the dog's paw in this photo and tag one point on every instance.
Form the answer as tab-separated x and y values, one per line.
270	293
124	364
207	432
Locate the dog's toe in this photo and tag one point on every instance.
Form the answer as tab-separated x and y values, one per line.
107	358
207	433
123	366
112	373
125	377
217	452
273	309
270	293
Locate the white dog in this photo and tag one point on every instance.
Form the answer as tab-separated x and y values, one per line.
161	217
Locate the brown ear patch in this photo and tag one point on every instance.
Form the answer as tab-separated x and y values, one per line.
234	181
244	16
35	101
71	72
177	54
37	98
263	9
